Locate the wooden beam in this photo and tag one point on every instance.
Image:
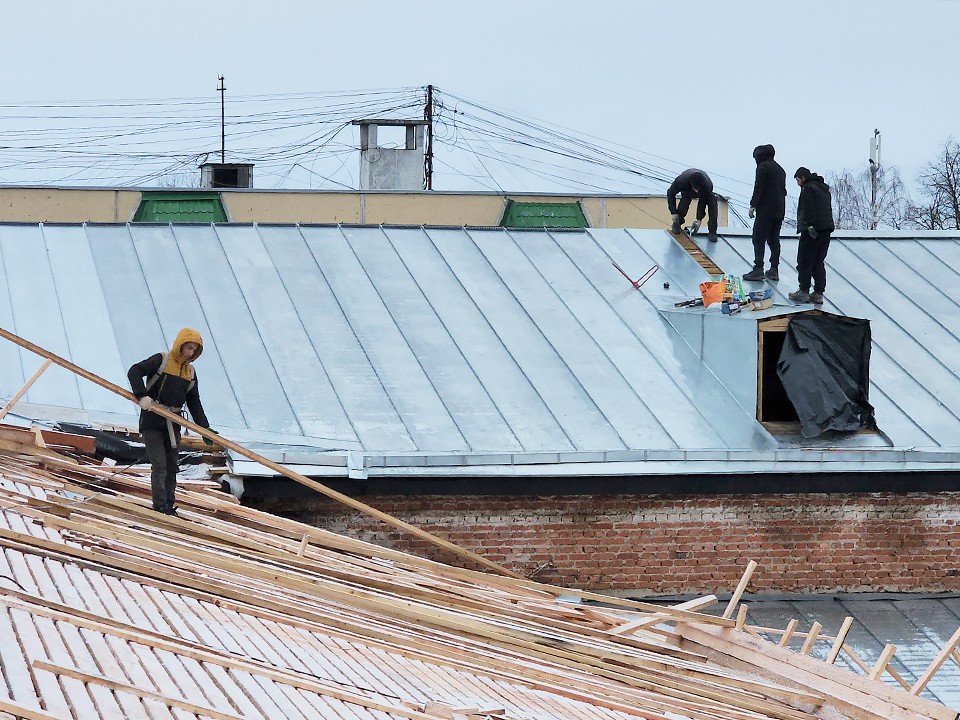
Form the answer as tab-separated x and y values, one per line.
854	694
811	639
788	633
250	455
23	391
22	711
741	587
877	670
939	660
118	686
657	618
838	642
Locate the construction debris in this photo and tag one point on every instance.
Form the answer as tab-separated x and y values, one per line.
108	609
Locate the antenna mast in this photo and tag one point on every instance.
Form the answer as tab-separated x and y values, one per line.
874	171
223	124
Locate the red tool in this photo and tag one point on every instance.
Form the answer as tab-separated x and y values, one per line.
638	283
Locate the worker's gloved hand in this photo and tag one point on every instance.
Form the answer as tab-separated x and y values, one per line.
208	441
811	231
695	227
146	402
674	218
752	213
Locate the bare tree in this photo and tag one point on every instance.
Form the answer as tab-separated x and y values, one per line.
939	206
852	190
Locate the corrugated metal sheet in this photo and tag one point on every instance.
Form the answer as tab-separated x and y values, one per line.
469	342
543	215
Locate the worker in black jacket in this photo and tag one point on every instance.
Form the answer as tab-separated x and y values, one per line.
693	184
768	206
167	379
814	223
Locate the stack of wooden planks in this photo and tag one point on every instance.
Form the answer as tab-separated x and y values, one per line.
108	609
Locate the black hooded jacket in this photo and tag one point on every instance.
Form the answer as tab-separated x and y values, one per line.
684	185
815	206
770	186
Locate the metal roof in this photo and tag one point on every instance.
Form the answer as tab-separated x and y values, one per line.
463	346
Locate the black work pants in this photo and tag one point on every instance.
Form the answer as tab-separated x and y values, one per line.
705	206
766	231
164	463
810	261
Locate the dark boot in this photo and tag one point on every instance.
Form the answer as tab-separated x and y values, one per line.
816	298
675	227
755	275
773	274
712	237
800	296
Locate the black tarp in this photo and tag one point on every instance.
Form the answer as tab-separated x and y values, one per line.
825	369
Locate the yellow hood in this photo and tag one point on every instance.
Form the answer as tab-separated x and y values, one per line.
176	365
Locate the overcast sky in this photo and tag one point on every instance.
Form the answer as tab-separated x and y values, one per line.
697	83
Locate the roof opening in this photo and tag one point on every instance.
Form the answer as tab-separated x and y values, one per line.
773	405
813	370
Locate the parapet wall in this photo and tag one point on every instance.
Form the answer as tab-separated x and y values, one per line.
648	545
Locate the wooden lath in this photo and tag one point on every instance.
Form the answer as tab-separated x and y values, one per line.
703	260
632	658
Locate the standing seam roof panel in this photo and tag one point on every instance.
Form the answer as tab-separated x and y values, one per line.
305	386
428	422
246	361
453	379
358	387
34	301
176	306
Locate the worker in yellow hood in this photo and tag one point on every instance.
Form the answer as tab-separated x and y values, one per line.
167	379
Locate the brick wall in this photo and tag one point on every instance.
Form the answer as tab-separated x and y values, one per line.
665	545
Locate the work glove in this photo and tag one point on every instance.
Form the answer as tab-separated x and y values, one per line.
146	402
208	441
675	218
695	227
752	213
811	231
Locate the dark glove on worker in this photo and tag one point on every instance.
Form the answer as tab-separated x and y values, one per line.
208	441
753	212
811	231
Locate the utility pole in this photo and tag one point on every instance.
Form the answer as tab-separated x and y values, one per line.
223	123
428	158
874	172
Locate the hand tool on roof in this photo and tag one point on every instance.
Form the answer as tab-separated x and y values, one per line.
638	283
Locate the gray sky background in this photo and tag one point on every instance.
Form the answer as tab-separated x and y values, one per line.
694	83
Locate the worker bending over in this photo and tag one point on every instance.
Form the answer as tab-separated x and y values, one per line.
693	184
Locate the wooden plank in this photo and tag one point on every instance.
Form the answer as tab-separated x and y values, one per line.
860	697
694	251
741	587
22	711
276	467
23	390
885	657
811	639
656	618
838	642
116	685
939	660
